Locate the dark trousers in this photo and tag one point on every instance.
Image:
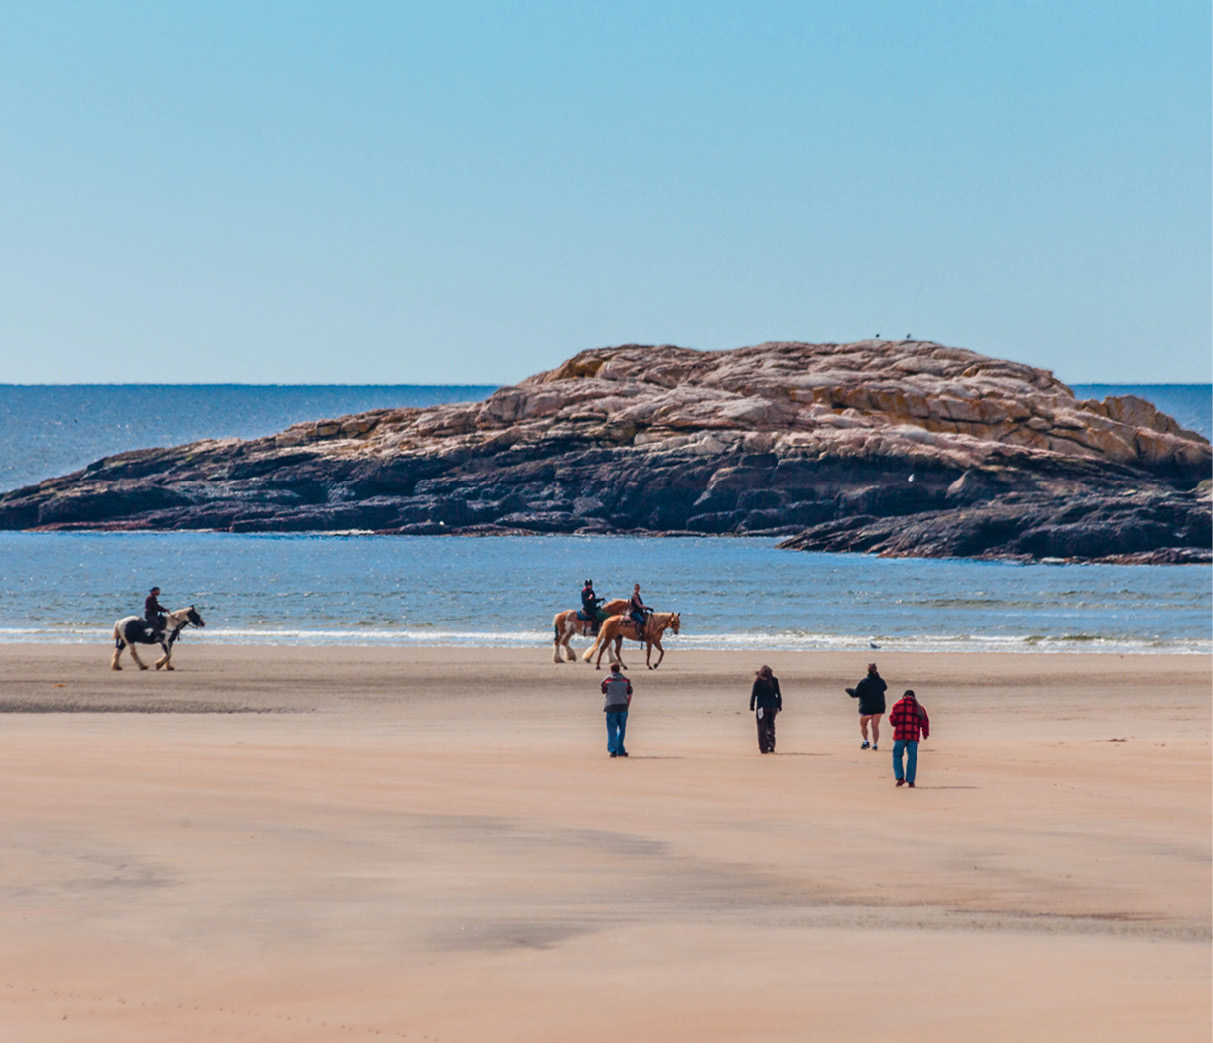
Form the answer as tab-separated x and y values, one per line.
766	730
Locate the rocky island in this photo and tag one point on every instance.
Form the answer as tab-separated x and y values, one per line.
894	447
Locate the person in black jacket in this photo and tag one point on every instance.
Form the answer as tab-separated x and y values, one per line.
870	692
591	604
153	613
766	702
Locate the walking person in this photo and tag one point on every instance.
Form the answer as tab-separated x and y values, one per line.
617	689
870	691
765	702
910	722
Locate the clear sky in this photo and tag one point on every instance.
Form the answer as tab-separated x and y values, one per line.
464	192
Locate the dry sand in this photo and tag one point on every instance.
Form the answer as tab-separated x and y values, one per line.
409	844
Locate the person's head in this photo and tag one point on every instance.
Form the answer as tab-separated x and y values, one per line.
636	588
764	672
589	583
615	669
910	694
155	591
871	669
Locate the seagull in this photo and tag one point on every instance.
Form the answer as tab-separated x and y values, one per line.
873	645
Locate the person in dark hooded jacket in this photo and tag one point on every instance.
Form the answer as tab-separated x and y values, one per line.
870	691
766	702
153	613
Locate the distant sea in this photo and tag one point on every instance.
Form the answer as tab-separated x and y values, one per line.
733	593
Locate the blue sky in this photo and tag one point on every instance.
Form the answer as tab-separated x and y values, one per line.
284	192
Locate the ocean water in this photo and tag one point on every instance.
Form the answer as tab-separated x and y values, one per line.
360	590
732	593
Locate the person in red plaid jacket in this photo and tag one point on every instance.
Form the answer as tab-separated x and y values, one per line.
910	722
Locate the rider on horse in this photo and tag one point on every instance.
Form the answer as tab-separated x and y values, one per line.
637	610
591	604
153	614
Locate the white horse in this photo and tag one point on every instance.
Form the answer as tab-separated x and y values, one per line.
568	623
130	630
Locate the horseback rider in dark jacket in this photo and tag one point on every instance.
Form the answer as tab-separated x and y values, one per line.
637	610
153	614
591	604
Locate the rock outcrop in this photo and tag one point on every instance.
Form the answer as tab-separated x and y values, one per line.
904	448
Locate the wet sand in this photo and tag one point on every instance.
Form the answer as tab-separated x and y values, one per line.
290	843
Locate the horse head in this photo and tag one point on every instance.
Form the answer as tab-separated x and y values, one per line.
193	617
675	623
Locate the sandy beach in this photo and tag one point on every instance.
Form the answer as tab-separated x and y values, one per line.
305	843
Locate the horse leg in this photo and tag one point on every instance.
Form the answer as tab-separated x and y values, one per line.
163	662
589	650
556	643
135	657
602	645
566	640
660	653
115	664
619	652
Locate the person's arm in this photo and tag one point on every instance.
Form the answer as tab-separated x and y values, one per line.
604	682
753	694
852	692
778	695
926	722
629	682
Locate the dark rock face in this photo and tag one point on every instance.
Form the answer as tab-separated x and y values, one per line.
907	448
1134	526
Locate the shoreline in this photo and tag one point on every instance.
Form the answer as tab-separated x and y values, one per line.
335	843
461	641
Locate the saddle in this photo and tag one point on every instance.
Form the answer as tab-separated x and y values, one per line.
147	632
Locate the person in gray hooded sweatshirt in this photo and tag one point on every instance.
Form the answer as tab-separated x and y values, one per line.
617	689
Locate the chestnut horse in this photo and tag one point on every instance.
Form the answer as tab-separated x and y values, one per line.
616	629
568	623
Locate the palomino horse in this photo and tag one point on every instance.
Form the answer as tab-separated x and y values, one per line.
568	623
616	629
130	630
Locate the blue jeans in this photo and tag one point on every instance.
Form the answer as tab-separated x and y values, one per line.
617	723
911	750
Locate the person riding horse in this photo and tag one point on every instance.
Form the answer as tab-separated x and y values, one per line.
153	614
638	611
591	604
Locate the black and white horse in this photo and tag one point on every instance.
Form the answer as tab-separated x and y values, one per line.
130	630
